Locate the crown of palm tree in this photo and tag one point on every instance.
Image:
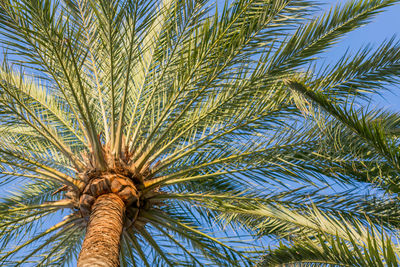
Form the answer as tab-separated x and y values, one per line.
213	127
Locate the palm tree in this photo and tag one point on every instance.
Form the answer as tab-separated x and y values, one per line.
176	133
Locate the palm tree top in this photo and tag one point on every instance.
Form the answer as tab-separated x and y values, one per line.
200	118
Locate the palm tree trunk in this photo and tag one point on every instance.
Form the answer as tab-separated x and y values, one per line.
102	241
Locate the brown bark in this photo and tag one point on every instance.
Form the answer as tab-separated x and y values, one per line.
102	241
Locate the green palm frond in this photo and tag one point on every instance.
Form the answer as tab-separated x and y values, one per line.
346	204
17	107
322	32
376	68
214	250
373	128
334	251
314	237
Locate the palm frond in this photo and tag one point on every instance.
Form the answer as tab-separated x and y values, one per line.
334	251
367	126
322	32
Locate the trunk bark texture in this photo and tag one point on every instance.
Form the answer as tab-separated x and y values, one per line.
102	241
